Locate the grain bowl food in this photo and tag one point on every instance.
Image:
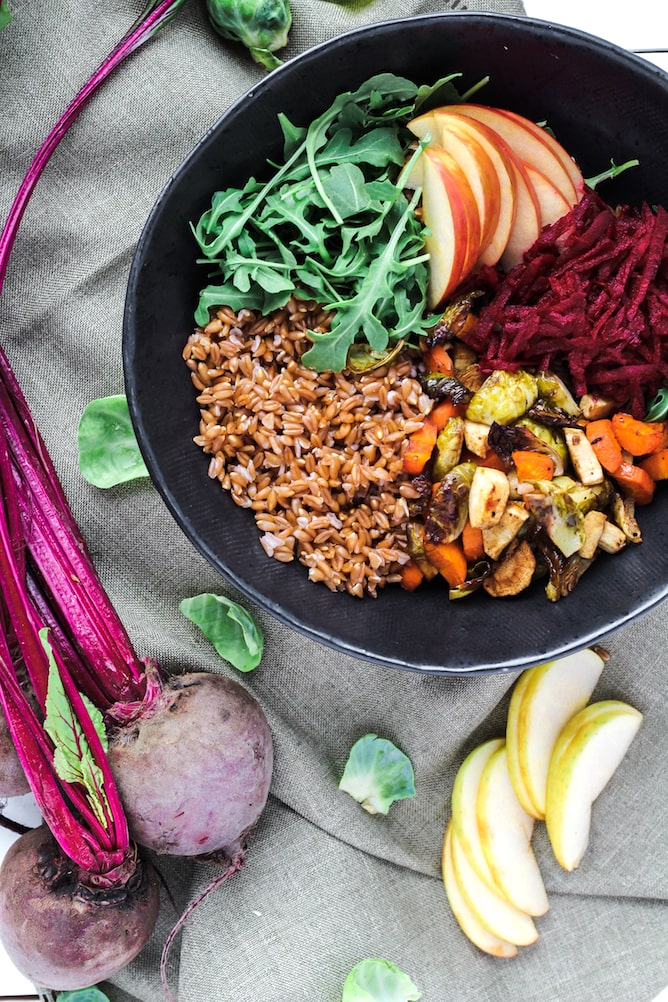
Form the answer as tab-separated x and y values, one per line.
316	456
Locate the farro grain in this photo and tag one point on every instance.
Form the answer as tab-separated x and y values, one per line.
315	456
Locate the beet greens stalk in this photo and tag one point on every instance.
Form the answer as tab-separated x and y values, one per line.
72	598
154	16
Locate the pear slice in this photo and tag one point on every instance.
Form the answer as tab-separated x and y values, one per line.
587	754
464	815
494	912
505	833
544	699
467	920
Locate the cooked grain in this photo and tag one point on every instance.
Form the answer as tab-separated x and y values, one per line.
317	457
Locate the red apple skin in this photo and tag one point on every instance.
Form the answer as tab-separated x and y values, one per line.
450	214
533	144
470	130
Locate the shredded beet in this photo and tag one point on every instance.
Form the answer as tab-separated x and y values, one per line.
591	298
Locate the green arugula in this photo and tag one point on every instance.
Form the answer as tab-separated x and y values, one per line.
332	223
72	758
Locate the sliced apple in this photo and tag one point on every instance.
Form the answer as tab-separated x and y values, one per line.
586	755
567	161
478	167
467	920
464	807
512	745
493	911
468	130
450	214
528	220
505	833
532	144
551	203
549	695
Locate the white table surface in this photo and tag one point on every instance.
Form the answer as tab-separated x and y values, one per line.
644	29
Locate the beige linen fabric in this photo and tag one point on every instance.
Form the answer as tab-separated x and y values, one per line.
325	884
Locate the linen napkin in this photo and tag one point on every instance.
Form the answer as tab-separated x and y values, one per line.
325	884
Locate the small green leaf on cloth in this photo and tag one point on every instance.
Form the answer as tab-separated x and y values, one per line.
72	758
231	629
378	980
108	450
377	773
92	994
5	14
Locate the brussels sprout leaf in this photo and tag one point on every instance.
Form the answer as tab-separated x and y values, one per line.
5	14
230	628
108	450
376	774
92	994
377	980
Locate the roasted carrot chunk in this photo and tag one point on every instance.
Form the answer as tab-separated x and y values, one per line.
411	576
437	359
491	461
420	446
449	559
533	465
443	411
472	542
635	482
656	465
639	437
602	438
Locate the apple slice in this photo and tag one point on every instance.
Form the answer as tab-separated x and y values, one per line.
532	144
551	203
512	745
468	130
494	912
587	754
450	214
528	220
467	920
505	834
464	814
550	694
478	167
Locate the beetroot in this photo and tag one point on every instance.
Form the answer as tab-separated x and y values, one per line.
58	928
591	296
193	771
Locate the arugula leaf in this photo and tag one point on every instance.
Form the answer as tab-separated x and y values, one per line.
378	980
108	450
377	773
72	759
331	223
231	629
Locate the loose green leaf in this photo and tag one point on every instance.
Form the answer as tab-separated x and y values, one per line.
378	980
230	628
73	759
83	995
5	14
108	450
377	773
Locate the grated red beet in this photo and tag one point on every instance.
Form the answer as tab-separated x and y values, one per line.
590	298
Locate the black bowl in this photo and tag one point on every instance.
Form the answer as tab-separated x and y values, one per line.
602	103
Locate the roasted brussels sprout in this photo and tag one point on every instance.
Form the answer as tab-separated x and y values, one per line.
503	397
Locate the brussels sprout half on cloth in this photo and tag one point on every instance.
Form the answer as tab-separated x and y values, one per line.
261	25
